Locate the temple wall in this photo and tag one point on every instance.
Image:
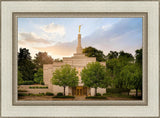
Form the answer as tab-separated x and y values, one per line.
58	89
101	90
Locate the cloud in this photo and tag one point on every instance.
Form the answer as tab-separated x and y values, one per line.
54	28
122	35
60	49
28	38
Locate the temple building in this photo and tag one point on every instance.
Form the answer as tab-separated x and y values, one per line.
79	61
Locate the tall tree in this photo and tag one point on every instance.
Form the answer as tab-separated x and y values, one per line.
115	65
132	77
93	52
139	56
125	57
112	55
65	76
20	80
42	58
94	75
25	64
38	76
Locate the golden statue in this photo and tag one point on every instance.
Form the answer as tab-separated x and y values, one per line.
80	28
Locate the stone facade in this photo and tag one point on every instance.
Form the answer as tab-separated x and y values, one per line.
79	61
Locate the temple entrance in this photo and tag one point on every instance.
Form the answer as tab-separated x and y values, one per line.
79	91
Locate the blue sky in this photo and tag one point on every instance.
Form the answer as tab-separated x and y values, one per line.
58	36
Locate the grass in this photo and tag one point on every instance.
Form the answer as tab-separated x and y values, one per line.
120	95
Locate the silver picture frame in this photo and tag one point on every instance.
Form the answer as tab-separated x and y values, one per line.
12	10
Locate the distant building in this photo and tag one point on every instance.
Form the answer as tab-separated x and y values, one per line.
79	61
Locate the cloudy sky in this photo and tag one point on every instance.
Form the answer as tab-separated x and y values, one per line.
58	36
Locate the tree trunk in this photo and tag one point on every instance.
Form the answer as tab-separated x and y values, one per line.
136	92
64	90
95	91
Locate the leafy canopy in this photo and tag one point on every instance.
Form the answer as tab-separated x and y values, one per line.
25	65
38	76
94	75
93	52
42	58
65	76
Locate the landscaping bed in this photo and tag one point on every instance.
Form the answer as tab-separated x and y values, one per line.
63	97
96	97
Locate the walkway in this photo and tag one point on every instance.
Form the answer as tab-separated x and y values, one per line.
79	98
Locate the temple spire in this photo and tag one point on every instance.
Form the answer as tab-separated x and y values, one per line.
79	47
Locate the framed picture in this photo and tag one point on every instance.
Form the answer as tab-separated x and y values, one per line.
80	59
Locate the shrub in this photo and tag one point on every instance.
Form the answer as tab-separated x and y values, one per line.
59	94
22	90
63	97
104	94
27	83
37	87
116	90
98	94
49	94
22	94
41	94
42	83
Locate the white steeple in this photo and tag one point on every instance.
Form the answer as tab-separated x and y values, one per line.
79	47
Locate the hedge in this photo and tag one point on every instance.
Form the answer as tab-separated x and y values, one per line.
49	94
26	83
116	90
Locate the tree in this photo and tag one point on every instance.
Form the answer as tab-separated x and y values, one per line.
93	52
125	57
42	58
38	77
139	56
116	64
25	65
112	55
24	54
58	60
94	75
20	80
65	76
131	75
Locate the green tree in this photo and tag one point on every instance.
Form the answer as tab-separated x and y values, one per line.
139	56
139	60
112	55
125	57
42	58
65	76
93	52
38	76
132	77
115	65
20	80
25	65
94	75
